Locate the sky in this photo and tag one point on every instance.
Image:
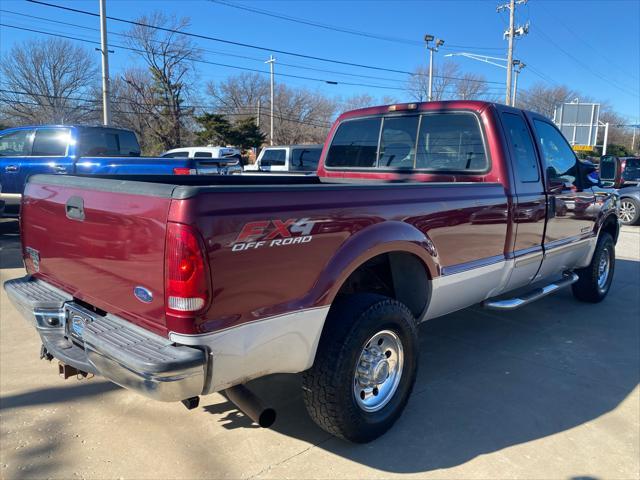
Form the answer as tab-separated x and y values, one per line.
592	46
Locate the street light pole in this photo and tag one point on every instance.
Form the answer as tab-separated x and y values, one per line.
518	66
106	110
271	61
432	48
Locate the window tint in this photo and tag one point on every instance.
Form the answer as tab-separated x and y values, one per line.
104	142
355	144
50	142
176	155
558	155
305	159
518	135
129	145
15	144
274	158
608	168
203	155
451	142
397	143
631	169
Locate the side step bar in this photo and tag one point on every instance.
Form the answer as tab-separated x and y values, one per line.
532	296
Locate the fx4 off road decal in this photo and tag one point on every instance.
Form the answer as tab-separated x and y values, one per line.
273	233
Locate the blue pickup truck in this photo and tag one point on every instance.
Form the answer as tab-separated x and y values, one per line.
77	150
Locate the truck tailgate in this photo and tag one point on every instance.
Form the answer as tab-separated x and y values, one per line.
103	245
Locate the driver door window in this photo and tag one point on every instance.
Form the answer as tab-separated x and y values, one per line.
560	160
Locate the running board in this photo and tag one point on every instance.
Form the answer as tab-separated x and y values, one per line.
532	296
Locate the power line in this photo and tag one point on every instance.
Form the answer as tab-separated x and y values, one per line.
246	111
240	44
330	82
214	52
334	28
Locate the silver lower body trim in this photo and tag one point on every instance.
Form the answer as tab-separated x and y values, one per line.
280	344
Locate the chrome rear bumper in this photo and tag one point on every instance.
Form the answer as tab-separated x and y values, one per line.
126	354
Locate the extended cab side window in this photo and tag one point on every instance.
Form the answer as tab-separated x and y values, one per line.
525	161
355	144
274	158
50	142
398	142
15	144
103	142
561	162
451	142
305	158
202	155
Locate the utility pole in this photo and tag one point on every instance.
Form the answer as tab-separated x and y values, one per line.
432	48
258	117
106	110
271	61
517	67
512	32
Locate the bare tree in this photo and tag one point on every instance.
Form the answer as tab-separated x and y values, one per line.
48	81
240	94
358	101
300	115
158	93
544	99
471	86
444	80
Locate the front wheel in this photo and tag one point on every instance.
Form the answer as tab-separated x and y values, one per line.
365	367
629	212
595	280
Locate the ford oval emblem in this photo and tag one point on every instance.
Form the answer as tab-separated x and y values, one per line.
143	294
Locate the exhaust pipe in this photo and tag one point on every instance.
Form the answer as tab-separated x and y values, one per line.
250	405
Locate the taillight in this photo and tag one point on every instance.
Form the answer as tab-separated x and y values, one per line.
186	282
184	171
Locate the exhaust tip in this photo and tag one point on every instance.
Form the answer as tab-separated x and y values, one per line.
267	418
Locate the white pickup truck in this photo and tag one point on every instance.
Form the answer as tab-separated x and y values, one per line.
288	158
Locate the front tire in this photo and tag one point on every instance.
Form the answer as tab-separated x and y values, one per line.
595	280
365	367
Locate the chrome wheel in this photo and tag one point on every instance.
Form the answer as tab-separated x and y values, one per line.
378	371
603	269
627	211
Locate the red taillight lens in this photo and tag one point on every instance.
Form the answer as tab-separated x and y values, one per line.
184	171
186	282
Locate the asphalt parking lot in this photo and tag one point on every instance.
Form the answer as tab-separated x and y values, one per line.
549	391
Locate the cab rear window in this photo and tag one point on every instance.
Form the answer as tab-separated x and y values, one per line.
449	142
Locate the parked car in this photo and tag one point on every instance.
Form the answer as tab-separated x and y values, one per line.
59	149
288	158
620	171
629	211
222	160
418	210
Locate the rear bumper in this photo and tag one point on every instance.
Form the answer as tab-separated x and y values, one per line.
112	347
11	198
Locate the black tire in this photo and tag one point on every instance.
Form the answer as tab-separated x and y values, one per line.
629	213
328	387
587	288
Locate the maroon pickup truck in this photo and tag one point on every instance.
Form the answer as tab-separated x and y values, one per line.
180	287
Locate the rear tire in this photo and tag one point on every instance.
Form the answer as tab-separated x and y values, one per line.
365	367
595	280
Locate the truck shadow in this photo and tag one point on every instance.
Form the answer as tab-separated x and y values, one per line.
488	381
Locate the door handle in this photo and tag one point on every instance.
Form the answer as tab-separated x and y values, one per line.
60	169
11	168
